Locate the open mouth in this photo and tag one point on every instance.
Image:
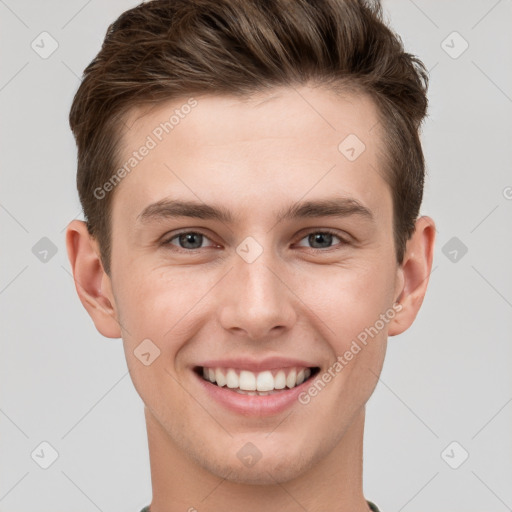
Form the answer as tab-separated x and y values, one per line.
262	383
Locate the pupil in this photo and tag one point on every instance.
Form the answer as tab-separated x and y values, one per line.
188	238
321	238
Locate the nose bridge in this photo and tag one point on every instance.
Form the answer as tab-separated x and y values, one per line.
256	301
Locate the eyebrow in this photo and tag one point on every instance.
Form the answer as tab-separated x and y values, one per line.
330	207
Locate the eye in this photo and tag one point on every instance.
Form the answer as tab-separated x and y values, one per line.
321	239
188	240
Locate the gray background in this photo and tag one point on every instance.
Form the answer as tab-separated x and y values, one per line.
446	379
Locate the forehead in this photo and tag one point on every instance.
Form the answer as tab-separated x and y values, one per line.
281	145
285	111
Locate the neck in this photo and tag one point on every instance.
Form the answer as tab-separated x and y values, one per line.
333	482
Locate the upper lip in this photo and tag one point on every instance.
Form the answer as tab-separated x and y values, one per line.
253	365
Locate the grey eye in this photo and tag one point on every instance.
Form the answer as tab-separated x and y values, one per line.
320	240
189	240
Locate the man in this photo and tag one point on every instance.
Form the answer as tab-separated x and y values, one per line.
251	176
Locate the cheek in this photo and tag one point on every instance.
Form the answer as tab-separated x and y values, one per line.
154	308
349	300
156	303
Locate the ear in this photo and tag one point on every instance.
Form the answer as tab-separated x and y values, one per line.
413	275
92	284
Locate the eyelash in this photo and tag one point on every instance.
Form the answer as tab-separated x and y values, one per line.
168	241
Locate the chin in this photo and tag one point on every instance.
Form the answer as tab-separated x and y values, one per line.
266	471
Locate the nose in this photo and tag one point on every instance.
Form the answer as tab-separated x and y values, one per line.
256	301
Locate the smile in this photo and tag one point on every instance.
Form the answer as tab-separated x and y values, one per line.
257	383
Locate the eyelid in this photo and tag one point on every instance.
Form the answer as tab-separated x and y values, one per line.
166	240
344	239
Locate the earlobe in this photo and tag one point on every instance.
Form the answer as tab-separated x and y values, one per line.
92	283
414	274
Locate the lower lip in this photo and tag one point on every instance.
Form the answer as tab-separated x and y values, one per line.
253	405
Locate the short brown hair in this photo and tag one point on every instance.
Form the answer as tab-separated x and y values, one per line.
165	49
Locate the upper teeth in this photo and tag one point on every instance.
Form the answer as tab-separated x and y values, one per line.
262	381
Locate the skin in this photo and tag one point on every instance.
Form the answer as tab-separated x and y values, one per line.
255	157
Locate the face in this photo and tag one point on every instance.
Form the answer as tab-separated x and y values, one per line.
254	243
